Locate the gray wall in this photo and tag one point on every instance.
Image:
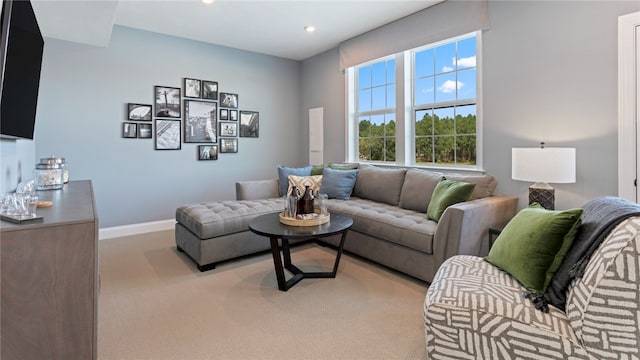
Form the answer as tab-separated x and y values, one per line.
549	74
83	94
323	85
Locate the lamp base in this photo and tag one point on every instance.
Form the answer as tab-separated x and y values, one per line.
543	195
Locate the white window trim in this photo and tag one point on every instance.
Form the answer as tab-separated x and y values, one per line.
405	146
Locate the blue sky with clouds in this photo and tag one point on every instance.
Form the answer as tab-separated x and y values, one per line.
443	73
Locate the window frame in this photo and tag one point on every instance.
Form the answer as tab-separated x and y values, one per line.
378	112
405	109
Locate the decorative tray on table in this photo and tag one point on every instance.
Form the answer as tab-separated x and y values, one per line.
305	219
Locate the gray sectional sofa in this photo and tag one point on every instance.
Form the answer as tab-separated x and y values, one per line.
388	207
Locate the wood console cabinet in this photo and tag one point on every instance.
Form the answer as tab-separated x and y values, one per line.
49	273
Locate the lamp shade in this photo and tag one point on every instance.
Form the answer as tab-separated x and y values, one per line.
547	165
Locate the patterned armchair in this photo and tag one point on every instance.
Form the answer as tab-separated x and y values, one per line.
474	310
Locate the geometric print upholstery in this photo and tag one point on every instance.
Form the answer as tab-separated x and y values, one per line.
474	310
604	305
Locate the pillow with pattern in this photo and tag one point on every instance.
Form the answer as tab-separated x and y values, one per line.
301	182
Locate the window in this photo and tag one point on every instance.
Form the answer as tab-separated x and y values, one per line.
437	124
376	111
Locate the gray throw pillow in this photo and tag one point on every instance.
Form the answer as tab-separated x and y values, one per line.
338	184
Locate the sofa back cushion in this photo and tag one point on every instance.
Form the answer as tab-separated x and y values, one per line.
604	304
485	184
417	189
379	184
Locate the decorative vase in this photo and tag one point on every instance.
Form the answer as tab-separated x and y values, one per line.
292	202
305	205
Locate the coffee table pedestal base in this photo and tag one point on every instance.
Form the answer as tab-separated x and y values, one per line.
284	262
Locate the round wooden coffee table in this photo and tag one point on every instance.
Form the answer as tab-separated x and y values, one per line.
270	226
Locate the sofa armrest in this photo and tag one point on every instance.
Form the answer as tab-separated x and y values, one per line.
257	189
464	227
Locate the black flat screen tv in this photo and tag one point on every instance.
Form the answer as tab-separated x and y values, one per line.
21	47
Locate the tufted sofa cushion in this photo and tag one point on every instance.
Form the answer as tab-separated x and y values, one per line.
401	226
219	218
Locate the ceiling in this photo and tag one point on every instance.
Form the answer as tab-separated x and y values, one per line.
272	27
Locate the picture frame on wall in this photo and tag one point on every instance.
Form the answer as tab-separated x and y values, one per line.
200	121
129	130
207	152
139	112
224	114
145	131
209	90
233	115
228	145
167	102
192	88
249	124
167	134
229	100
228	128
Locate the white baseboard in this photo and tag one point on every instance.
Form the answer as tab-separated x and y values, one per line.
135	229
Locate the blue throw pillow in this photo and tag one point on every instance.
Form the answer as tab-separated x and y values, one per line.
338	184
283	176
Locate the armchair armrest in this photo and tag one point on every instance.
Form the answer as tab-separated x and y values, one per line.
257	189
464	227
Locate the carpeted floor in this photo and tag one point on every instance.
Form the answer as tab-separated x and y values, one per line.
155	304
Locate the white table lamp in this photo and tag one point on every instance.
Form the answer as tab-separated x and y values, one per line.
543	165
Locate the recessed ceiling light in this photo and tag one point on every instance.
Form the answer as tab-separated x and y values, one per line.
208	1
309	28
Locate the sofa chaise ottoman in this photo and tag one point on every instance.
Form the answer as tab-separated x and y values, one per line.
215	231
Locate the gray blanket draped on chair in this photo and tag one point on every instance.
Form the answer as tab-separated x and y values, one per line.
600	216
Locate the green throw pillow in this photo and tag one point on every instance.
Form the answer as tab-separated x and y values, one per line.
316	169
447	193
533	244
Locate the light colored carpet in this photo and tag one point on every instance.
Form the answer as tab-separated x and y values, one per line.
155	304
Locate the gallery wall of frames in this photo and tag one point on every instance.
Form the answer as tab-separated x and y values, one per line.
196	113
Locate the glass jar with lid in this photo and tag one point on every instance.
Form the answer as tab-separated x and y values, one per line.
49	173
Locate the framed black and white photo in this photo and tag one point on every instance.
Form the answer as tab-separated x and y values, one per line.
249	123
144	131
167	134
224	114
228	145
209	90
228	128
200	121
130	130
139	112
192	88
229	100
207	152
233	115
167	102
